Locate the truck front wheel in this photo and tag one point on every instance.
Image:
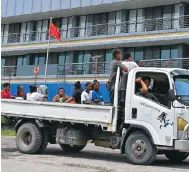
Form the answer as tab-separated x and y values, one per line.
139	148
176	156
68	148
28	138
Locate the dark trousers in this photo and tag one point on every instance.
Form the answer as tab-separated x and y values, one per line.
111	95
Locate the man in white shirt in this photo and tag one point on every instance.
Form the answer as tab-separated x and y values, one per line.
86	95
34	95
127	62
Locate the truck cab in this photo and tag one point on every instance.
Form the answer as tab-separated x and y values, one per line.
162	113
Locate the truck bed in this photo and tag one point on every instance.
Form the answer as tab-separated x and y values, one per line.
76	113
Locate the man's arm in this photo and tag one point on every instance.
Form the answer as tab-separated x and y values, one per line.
122	66
144	88
71	98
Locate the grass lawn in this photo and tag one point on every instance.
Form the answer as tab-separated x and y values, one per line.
8	133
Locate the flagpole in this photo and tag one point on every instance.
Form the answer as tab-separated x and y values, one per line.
47	58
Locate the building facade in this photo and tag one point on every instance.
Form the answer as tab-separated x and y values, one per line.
148	29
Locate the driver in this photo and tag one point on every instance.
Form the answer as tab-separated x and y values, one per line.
145	84
147	92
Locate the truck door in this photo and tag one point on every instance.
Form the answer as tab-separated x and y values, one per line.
152	111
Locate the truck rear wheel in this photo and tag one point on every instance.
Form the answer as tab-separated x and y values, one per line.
139	149
45	140
176	156
28	138
68	148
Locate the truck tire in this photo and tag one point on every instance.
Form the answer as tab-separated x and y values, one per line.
45	140
74	149
139	149
28	138
176	156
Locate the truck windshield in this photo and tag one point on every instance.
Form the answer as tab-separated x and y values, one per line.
182	89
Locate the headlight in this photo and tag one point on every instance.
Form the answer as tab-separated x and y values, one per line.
181	123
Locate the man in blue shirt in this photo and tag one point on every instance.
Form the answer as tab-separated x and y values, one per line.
97	96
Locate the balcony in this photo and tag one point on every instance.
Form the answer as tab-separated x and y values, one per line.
85	69
147	25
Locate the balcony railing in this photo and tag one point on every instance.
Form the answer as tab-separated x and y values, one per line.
100	68
8	70
103	29
167	63
94	69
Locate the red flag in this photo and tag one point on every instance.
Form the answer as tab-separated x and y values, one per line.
54	31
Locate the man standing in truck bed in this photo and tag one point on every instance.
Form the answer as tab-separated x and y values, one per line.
115	63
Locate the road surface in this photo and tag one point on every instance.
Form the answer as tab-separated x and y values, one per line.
90	159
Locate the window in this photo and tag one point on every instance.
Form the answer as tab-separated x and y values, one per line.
14	32
108	60
87	59
89	24
20	61
165	52
119	24
27	59
100	21
42	58
2	61
82	25
174	51
132	20
38	30
2	32
53	58
122	18
111	22
149	19
140	20
156	52
2	66
35	59
138	54
45	26
69	33
167	17
158	87
61	58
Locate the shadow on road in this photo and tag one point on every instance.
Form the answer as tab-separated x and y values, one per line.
105	156
113	157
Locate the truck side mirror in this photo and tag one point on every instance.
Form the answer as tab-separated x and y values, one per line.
171	95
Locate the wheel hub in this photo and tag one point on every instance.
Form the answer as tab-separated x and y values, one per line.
27	138
139	149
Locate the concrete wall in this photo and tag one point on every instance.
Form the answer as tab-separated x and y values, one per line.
21	7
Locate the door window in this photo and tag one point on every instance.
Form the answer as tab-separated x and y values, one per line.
153	86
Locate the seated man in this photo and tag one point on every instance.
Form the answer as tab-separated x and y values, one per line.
86	94
145	83
147	91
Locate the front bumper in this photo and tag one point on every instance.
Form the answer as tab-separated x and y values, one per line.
183	144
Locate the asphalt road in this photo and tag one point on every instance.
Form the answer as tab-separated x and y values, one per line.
90	159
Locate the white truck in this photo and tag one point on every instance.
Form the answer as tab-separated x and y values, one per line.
140	125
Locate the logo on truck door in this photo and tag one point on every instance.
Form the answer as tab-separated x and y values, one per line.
163	120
